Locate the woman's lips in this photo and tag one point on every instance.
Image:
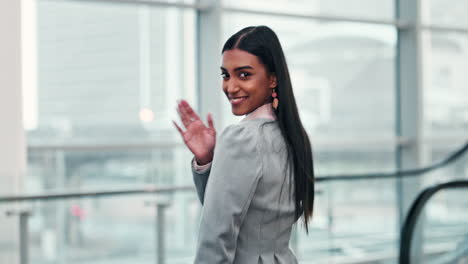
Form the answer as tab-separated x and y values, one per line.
237	100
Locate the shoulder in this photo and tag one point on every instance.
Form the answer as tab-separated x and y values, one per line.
247	132
240	130
240	139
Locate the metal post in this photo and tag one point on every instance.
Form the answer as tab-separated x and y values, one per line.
24	237
23	234
160	231
409	94
208	61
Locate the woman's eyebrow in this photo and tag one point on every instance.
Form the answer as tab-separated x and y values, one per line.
239	68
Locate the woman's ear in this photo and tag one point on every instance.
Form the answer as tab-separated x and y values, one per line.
273	82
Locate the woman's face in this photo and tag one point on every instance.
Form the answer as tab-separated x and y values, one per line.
246	82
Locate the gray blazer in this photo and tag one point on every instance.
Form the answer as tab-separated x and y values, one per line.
248	209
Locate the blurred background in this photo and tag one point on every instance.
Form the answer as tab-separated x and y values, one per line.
89	89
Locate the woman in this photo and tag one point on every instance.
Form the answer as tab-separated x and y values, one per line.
259	179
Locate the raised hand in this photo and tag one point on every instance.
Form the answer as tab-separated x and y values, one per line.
199	138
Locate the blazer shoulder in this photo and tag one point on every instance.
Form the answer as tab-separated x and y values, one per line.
241	143
240	132
237	140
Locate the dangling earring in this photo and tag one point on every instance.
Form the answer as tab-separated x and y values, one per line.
275	99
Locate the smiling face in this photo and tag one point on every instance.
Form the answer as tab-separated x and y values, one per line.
246	81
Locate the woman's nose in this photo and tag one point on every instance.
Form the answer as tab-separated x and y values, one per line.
231	86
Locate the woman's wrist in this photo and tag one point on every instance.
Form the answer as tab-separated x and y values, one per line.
203	160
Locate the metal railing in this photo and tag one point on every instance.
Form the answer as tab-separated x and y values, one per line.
455	155
409	226
160	206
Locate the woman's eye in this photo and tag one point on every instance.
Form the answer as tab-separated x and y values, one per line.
224	75
244	74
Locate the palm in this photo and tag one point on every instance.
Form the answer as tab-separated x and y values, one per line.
199	139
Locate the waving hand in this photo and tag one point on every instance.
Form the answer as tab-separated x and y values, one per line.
199	138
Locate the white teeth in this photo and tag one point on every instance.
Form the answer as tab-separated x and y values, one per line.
237	100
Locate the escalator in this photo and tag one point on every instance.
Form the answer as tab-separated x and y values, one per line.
436	228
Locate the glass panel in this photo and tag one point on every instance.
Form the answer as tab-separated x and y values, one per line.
110	72
104	169
383	9
353	159
446	95
445	13
439	150
112	229
91	238
354	222
109	76
445	101
444	233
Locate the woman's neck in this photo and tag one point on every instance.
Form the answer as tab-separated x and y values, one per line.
264	111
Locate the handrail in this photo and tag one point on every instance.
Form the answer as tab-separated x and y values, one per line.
416	208
401	173
82	194
153	189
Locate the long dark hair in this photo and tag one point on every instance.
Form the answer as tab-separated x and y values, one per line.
262	42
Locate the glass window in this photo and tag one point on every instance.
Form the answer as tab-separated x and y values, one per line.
445	59
446	95
111	72
356	225
99	117
109	75
443	13
382	9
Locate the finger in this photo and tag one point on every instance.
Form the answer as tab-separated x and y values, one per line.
183	115
178	128
178	112
210	121
191	114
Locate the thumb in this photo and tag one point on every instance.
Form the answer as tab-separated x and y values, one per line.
178	128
